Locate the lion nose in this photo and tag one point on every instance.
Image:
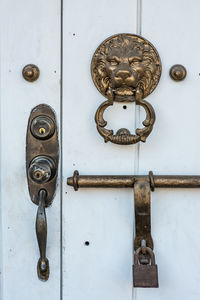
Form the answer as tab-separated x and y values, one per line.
123	74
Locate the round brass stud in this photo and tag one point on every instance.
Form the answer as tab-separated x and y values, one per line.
30	72
42	127
178	72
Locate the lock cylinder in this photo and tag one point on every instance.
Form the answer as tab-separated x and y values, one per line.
42	169
42	127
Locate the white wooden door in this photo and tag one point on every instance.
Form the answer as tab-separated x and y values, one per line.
91	232
30	33
105	217
173	147
102	217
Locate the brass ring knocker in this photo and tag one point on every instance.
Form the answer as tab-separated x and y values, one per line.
125	68
123	135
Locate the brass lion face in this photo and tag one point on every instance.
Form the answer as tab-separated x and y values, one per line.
127	65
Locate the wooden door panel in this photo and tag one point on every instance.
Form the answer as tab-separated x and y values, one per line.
30	33
173	148
104	217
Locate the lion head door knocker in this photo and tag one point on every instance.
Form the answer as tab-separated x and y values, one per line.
125	68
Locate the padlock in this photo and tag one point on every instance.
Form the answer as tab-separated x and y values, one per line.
145	276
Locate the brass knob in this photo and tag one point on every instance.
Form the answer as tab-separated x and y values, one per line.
178	72
30	72
42	169
42	127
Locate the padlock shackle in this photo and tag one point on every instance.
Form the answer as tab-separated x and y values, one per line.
148	250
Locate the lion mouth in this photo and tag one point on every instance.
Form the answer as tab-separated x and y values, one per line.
124	91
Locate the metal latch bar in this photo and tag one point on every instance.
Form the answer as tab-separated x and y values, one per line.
142	185
128	181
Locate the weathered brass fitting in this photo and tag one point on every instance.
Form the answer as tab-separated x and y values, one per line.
125	68
31	72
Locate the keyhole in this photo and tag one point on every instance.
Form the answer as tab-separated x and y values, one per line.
42	130
38	174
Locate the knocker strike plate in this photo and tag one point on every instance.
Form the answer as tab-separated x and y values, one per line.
125	68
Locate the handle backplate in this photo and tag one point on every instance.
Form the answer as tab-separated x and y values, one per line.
42	150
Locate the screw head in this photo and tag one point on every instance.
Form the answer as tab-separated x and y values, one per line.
42	127
31	72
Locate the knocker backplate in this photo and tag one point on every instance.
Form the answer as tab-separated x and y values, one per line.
125	68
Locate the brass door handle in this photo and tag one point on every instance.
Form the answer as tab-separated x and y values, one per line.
42	169
41	232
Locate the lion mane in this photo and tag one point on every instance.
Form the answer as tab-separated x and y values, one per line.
150	60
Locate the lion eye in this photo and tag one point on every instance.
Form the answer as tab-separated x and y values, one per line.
135	61
113	62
